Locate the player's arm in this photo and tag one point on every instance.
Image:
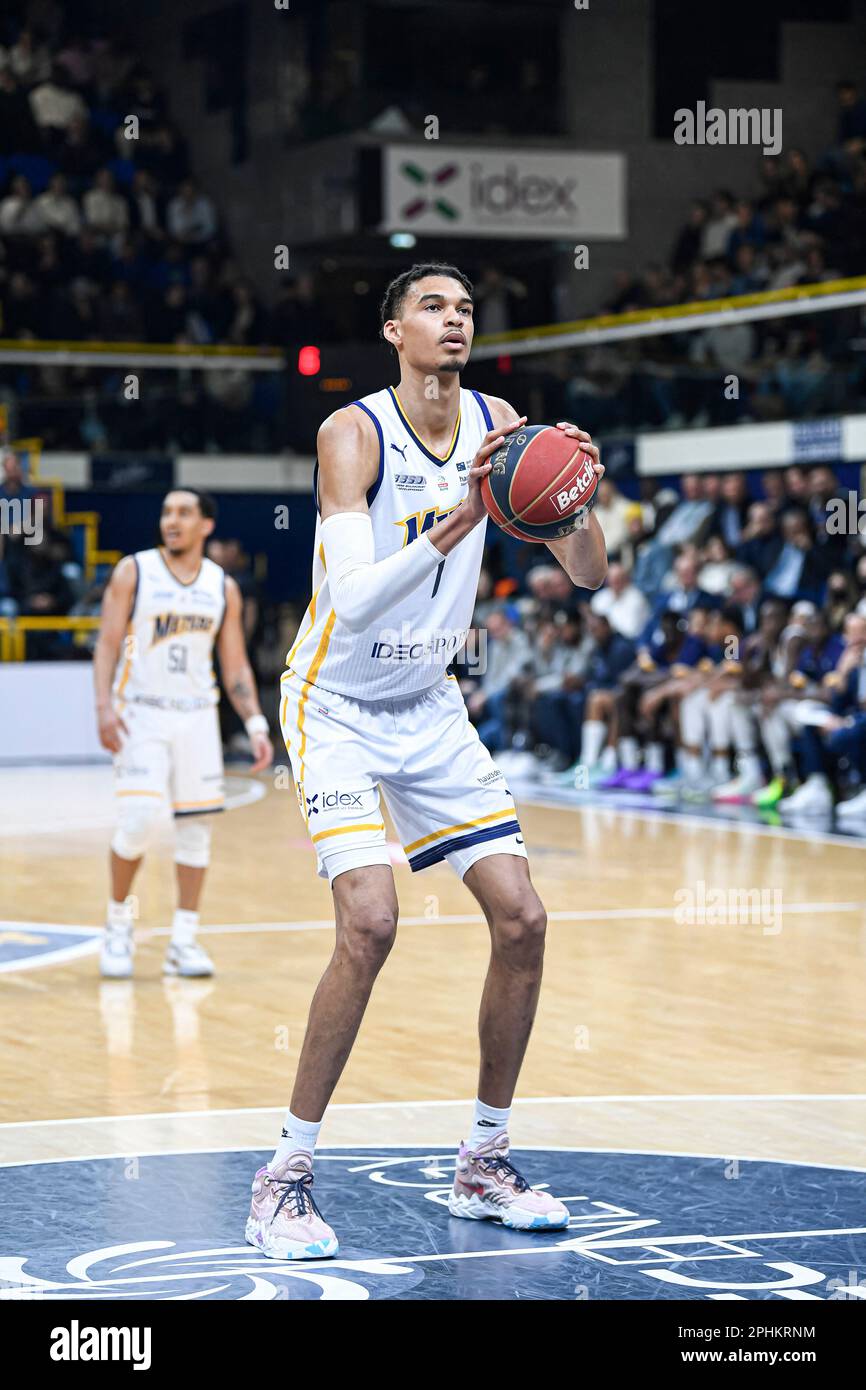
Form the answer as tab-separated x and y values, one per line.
361	587
117	604
238	678
583	554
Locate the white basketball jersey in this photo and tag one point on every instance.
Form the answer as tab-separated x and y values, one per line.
168	650
409	648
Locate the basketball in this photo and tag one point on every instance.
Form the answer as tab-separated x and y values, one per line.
542	484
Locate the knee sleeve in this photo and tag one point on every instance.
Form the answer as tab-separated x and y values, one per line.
136	821
192	841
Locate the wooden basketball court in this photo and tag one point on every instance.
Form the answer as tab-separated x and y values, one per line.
654	1033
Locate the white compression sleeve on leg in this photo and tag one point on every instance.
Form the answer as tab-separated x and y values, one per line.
192	842
362	588
136	822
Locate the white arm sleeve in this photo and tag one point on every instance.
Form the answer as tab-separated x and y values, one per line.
362	588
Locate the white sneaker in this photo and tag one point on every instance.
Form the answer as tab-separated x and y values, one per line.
697	789
813	798
188	959
853	809
741	788
115	957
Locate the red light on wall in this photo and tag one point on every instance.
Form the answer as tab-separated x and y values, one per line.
503	363
309	361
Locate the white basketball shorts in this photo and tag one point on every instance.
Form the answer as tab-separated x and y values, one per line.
172	754
446	796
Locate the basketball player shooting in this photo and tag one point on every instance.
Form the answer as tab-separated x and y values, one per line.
163	612
368	707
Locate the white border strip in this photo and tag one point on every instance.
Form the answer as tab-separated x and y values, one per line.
729	1098
657	328
435	1151
667	816
60	357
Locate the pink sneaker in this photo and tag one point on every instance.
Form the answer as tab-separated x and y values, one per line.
488	1186
284	1221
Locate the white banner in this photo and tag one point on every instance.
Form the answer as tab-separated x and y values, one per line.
461	190
46	712
773	445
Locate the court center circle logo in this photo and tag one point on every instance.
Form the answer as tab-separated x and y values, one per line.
642	1226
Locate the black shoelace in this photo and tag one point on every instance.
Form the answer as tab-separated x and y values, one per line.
297	1192
504	1166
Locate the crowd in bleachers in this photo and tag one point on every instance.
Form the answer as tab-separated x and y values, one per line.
724	658
106	236
807	224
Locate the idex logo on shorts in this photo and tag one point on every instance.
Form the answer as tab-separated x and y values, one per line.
333	801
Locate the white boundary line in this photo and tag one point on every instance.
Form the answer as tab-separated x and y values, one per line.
50	957
779	832
732	1097
601	914
435	1150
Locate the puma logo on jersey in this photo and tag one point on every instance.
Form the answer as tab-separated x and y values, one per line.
178	624
401	452
419	522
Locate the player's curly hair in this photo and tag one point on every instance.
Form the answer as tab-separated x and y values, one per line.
395	294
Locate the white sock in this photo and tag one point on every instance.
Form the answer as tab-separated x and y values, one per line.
592	741
693	766
750	766
816	779
654	759
184	927
721	765
297	1134
119	915
628	753
486	1122
607	761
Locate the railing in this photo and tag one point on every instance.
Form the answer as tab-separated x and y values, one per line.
13	632
88	521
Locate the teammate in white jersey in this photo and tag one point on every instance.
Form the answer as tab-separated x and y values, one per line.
368	709
163	613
